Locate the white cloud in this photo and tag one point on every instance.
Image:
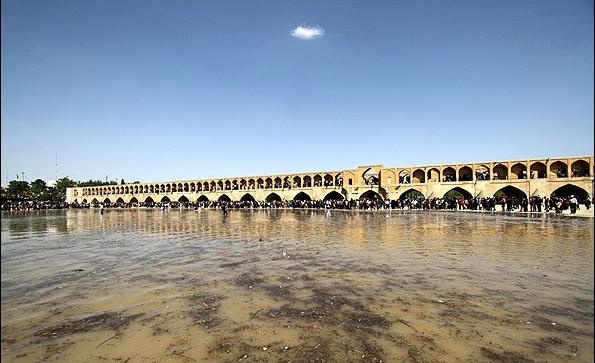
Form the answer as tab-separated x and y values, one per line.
307	32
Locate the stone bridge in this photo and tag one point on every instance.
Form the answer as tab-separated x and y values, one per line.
521	178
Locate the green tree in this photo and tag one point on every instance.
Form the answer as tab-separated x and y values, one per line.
39	190
60	188
18	190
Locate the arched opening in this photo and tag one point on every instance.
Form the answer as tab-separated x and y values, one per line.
412	194
518	171
202	198
213	186
569	189
297	182
465	174
94	201
220	185
370	194
419	176
149	200
186	187
251	184
579	169
243	184
307	181
133	200
84	201
199	187
404	177
317	180
500	172
227	185
260	183
107	201
120	200
558	169
433	175
183	199
162	188
457	193
192	187
482	172
278	183
247	198
328	180
302	196
224	198
449	174
205	186
538	170
273	197
510	192
268	183
370	177
165	200
333	196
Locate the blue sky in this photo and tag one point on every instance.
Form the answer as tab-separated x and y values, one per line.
159	90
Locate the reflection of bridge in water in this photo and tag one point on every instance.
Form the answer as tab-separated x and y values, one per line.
520	178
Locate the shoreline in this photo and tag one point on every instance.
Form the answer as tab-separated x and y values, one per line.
581	213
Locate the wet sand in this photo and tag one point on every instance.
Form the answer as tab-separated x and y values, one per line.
299	286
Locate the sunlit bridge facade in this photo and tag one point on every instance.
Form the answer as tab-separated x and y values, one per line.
522	178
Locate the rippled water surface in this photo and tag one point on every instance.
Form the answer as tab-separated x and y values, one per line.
298	286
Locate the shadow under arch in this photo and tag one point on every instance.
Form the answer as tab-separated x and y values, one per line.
224	198
457	193
183	199
149	200
273	197
412	193
247	198
510	191
133	200
165	200
333	196
567	190
302	196
203	198
370	194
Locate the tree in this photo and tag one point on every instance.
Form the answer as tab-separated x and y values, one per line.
60	188
38	190
18	190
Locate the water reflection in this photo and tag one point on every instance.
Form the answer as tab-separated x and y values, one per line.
307	285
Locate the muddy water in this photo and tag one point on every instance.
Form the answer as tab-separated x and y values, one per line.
299	286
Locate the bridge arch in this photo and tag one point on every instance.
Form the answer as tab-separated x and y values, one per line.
482	172
334	195
580	168
370	194
183	199
224	198
412	193
203	198
107	201
518	171
297	182
510	192
94	201
307	181
457	193
370	176
538	170
500	172
149	200
273	197
567	190
165	199
247	198
434	175
465	174
302	196
419	176
120	200
133	200
449	174
558	169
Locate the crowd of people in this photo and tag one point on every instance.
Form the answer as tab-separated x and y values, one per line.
534	204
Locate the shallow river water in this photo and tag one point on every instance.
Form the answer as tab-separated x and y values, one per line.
295	286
